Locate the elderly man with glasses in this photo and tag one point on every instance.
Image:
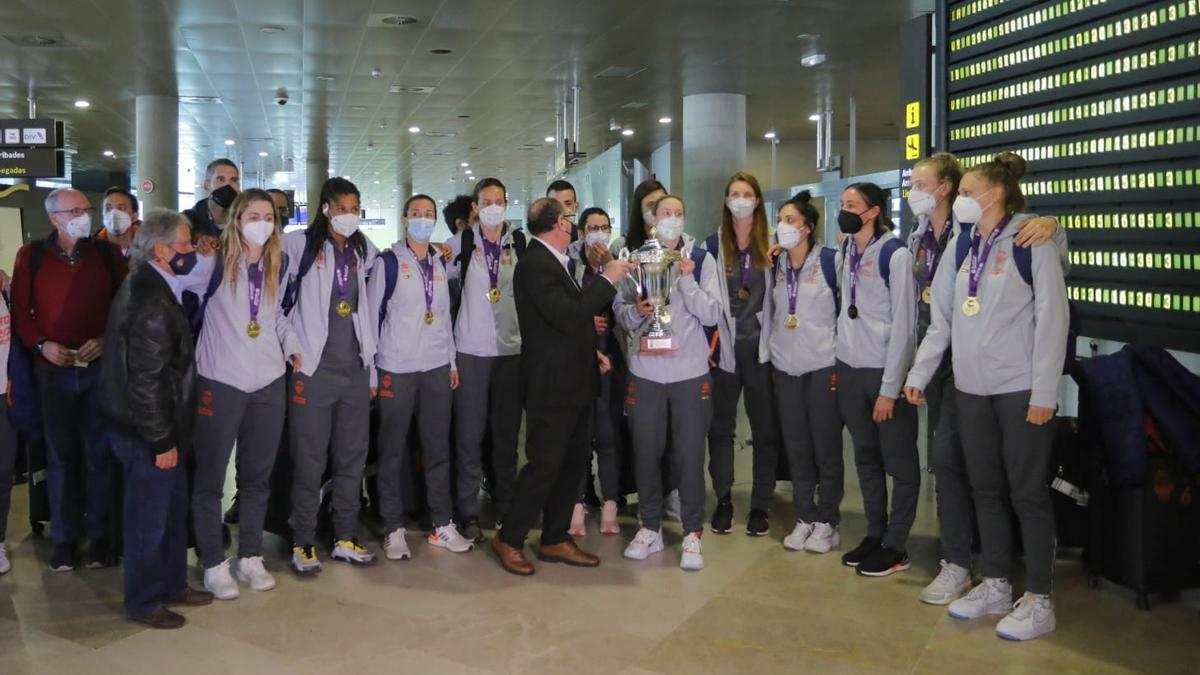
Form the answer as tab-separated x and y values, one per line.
62	289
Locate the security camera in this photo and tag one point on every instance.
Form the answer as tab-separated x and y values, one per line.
281	96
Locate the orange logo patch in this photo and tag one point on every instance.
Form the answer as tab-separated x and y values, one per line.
705	390
298	398
385	390
205	409
833	382
629	398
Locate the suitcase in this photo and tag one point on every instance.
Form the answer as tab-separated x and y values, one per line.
1069	478
39	490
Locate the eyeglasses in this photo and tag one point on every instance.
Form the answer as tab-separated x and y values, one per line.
75	213
598	228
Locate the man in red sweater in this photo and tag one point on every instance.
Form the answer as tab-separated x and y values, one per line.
61	292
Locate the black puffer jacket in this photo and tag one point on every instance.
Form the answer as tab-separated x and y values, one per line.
146	380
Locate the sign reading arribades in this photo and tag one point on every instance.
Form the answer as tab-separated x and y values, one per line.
32	163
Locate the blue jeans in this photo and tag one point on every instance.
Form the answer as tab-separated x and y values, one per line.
75	436
156	502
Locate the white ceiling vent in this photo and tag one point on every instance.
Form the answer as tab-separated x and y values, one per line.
390	20
401	89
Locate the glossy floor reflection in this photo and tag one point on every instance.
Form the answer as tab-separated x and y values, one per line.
755	608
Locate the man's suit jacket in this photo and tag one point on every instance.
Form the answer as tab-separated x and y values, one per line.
558	336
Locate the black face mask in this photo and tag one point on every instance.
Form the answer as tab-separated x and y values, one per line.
849	223
223	196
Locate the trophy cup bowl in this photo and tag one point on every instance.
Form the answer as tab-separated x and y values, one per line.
654	279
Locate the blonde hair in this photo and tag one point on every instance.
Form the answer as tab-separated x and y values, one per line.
760	235
947	169
232	248
1005	170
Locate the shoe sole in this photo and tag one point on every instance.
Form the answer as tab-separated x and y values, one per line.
216	596
939	602
356	563
63	569
898	567
963	617
246	580
438	544
309	572
615	529
724	531
691	568
645	557
399	556
1013	638
751	533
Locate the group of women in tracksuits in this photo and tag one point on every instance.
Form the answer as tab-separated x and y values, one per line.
820	337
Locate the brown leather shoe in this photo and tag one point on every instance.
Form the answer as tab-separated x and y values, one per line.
161	618
512	559
191	598
567	552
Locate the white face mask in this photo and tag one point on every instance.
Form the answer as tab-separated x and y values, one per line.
921	202
421	229
788	236
80	226
669	229
258	232
594	238
741	207
117	222
491	216
967	209
345	224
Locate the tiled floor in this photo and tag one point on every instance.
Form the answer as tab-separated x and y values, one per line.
755	608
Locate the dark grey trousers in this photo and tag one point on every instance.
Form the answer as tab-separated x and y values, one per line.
882	450
689	407
224	416
605	436
487	397
428	396
812	437
1009	462
754	379
8	464
955	509
329	419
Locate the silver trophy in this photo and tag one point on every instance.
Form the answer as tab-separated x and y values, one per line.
654	278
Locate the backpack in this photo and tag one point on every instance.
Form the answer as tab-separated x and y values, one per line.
828	270
391	273
467	251
293	285
196	311
888	250
1023	259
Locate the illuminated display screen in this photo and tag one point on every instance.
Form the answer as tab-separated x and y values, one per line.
1102	99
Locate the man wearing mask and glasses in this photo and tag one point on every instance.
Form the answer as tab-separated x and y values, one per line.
222	181
62	289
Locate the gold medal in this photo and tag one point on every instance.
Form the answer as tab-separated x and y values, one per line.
253	329
743	294
428	317
493	295
970	306
791	321
927	295
343	308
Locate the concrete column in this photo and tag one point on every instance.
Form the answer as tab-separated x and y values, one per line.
714	148
316	172
157	137
405	190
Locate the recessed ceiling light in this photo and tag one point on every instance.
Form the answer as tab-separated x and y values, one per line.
414	130
346	177
330	171
184	126
270	30
326	78
81	103
376	72
395	189
108	153
465	164
262	154
812	60
627	132
376	183
441	51
769	135
549	139
230	141
470	172
815	117
664	120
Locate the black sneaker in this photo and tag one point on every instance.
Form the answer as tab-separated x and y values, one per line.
722	520
882	562
470	530
757	525
860	552
99	555
63	559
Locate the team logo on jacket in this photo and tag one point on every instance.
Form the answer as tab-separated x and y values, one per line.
1001	263
385	387
705	390
205	408
298	396
629	397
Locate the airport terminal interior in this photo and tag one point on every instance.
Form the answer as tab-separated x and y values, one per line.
428	97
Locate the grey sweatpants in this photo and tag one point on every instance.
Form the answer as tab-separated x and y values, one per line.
487	397
812	438
688	406
1009	462
881	450
754	380
955	509
329	406
428	396
225	415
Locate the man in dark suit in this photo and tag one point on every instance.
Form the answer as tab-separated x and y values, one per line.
559	380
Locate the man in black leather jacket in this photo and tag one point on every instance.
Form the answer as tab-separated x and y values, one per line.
146	386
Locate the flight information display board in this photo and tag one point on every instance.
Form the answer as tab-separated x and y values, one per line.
1102	99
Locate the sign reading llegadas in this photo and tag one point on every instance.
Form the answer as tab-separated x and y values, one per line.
32	163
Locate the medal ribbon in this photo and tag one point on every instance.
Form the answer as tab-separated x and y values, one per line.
341	270
934	248
793	284
491	254
254	274
426	266
979	260
745	269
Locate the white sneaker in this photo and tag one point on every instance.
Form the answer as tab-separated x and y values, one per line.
447	537
948	586
395	547
991	596
795	540
824	538
252	571
578	521
219	582
693	553
5	566
646	543
672	507
349	550
1033	616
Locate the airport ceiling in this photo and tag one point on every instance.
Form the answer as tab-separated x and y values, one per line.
498	70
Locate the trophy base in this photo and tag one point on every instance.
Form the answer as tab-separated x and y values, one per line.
652	346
